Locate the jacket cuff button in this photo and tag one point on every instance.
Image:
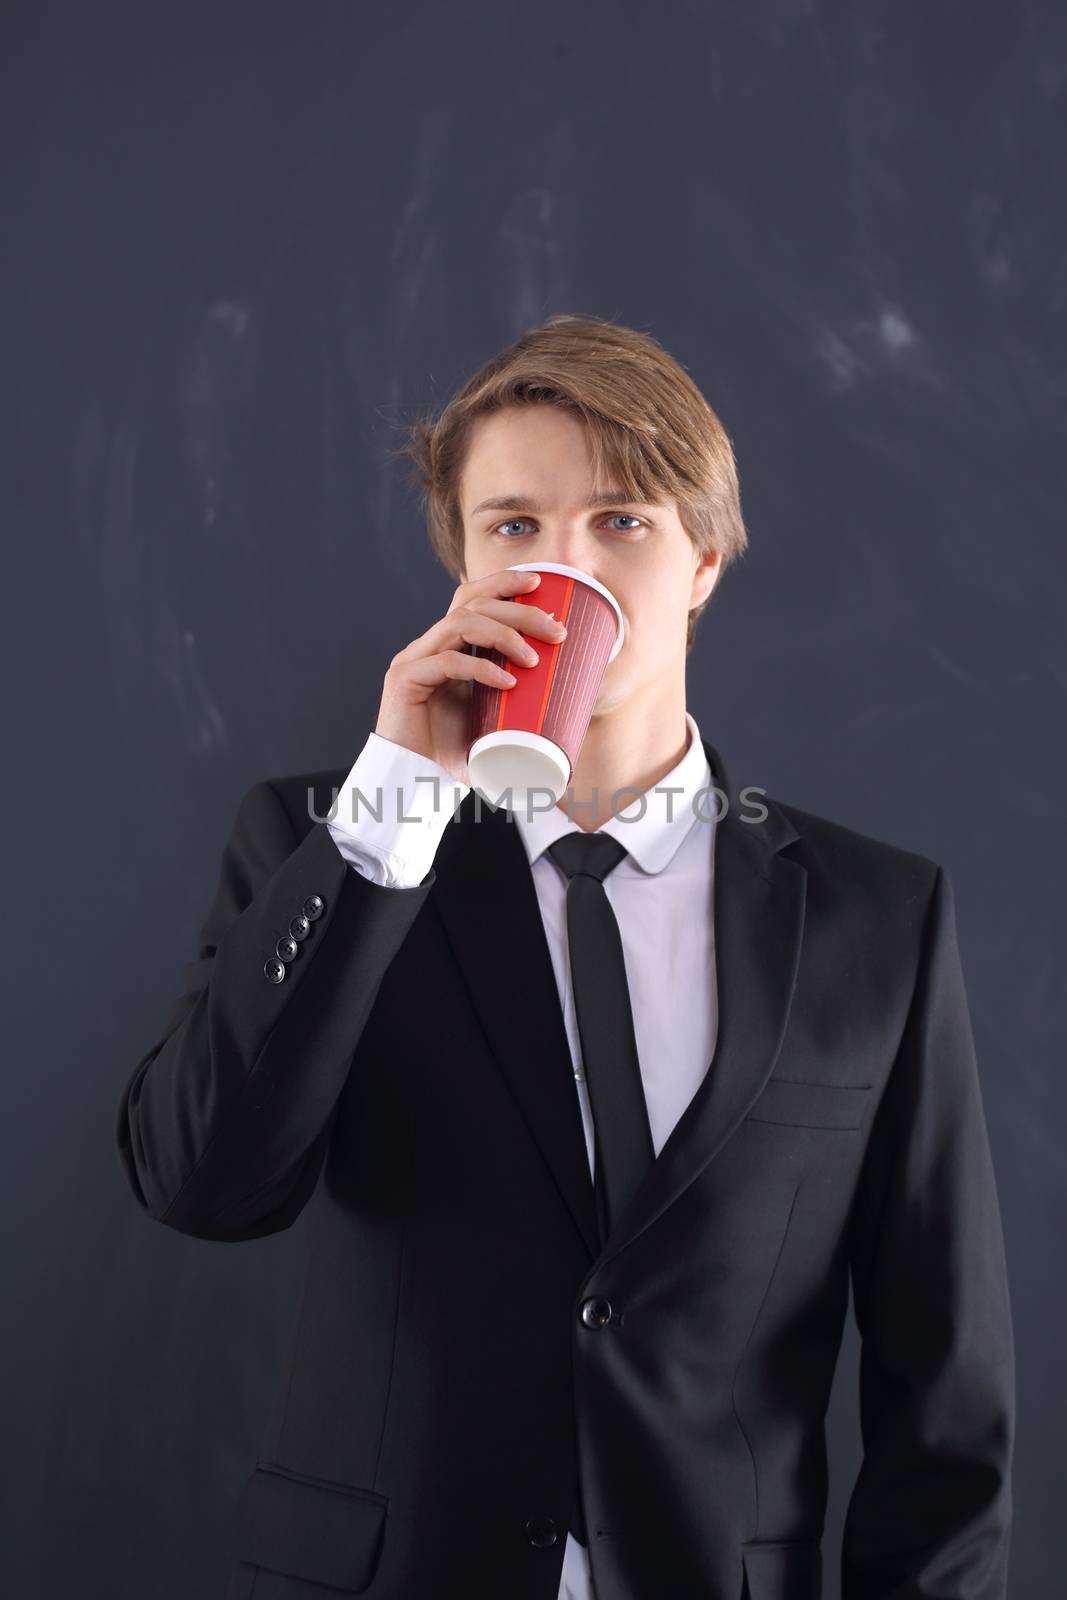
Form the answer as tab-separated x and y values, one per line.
274	969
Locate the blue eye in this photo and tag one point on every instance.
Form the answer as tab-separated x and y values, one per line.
610	515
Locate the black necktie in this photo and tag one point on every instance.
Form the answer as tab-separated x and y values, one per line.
622	1139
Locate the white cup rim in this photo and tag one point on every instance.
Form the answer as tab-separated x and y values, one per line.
583	577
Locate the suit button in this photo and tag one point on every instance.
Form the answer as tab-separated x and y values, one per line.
596	1313
300	927
313	907
274	969
542	1532
286	947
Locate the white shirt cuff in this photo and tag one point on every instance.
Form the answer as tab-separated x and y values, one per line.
391	811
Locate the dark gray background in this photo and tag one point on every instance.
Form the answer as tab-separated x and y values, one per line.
244	245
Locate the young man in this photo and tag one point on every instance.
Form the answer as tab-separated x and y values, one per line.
594	1108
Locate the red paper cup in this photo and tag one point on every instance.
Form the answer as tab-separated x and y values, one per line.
528	736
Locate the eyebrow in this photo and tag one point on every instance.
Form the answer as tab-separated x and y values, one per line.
516	502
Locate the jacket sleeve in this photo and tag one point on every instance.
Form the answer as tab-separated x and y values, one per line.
930	1513
224	1125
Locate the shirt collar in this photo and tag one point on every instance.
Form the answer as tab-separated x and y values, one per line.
650	838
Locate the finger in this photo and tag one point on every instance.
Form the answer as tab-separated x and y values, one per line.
525	618
507	581
464	626
430	672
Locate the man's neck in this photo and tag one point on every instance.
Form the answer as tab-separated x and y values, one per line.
622	756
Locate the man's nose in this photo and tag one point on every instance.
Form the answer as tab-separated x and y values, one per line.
571	550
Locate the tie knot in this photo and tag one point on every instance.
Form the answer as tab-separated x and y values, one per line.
591	854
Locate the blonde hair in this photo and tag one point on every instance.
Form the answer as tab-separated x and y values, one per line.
647	424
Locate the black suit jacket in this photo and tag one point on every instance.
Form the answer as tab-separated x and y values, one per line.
463	1345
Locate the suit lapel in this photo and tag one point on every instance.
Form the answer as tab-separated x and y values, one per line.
759	899
486	898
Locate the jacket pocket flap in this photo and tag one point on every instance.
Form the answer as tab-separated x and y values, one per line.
307	1528
790	1570
810	1105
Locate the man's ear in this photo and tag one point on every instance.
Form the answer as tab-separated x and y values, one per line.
706	576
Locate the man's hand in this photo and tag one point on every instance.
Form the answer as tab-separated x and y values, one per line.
426	694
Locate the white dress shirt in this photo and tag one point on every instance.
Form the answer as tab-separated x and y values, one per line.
661	894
